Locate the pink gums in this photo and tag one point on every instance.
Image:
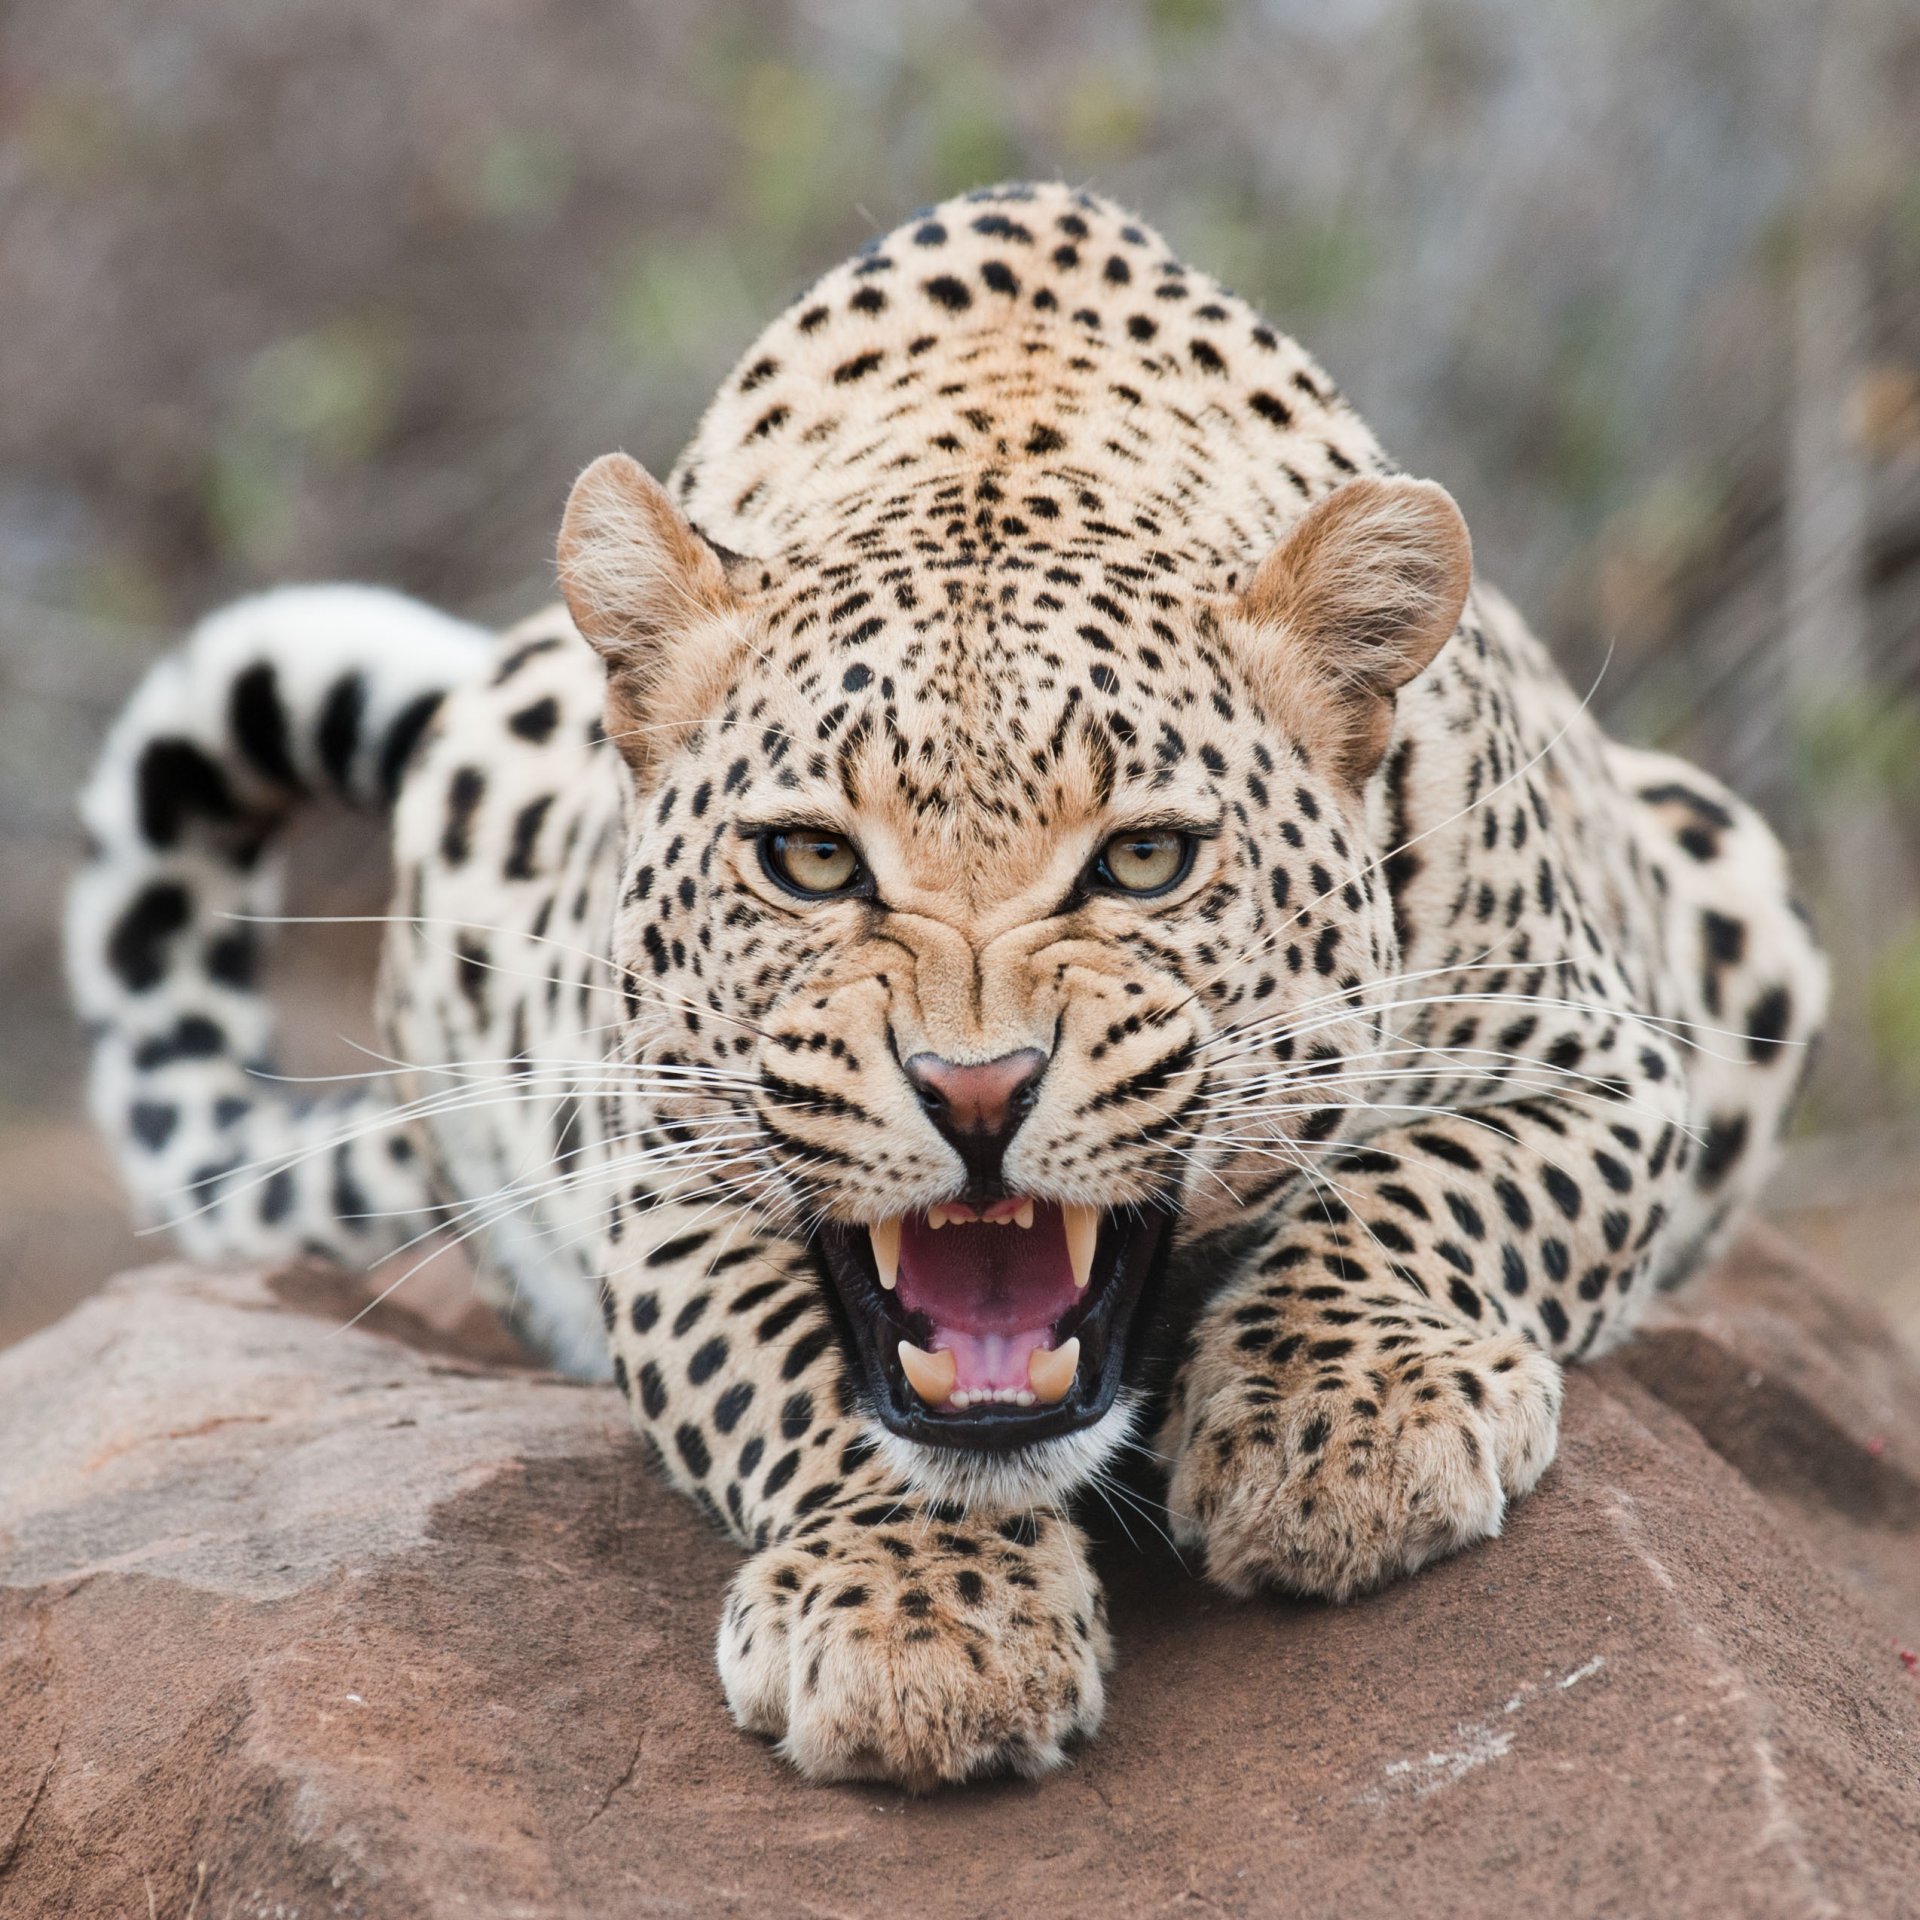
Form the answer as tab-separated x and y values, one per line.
991	1292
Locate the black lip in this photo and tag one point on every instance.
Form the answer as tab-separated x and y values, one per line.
1128	1259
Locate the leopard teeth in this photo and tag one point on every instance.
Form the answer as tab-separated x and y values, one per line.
931	1375
1050	1370
885	1235
1083	1234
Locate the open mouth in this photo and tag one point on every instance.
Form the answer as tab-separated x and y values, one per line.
997	1326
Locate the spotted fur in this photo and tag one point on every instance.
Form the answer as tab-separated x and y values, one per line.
1467	1032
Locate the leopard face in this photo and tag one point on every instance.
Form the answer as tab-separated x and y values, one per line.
962	885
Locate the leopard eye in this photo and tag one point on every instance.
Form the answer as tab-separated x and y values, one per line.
807	861
1147	862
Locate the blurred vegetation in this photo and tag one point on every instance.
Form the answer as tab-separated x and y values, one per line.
335	287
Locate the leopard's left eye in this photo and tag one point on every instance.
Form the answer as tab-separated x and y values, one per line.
814	864
1147	862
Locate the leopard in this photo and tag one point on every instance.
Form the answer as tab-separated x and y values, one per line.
1024	918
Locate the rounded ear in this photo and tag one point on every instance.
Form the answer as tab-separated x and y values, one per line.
1355	601
651	596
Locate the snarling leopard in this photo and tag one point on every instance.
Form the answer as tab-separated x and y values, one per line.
1026	916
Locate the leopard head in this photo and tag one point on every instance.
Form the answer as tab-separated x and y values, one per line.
1006	905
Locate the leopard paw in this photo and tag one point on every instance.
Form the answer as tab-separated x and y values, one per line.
919	1651
1336	1480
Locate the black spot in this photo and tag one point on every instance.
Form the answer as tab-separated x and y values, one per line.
653	1391
537	721
340	717
669	1250
1726	1141
1563	1191
857	368
153	1122
176	781
259	722
464	793
804	1352
276	1197
1767	1022
707	1360
194	1037
731	1405
1513	1202
402	737
233	959
526	831
1268	407
1000	277
944	290
693	1449
136	949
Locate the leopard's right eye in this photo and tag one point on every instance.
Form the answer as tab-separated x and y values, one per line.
815	864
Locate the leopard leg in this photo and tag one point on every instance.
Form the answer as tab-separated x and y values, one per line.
1379	1384
876	1633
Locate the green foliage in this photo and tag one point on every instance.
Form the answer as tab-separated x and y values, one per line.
322	398
1187	19
1894	1009
969	140
680	292
1862	739
522	176
792	126
1106	115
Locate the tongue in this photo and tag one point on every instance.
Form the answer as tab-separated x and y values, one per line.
991	1293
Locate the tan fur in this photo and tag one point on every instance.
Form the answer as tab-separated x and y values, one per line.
653	598
1046	537
1355	601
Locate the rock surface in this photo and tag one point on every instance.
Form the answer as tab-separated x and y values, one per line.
297	1621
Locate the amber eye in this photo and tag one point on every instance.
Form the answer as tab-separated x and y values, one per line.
1149	861
807	861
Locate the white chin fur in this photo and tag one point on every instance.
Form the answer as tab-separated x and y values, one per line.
1038	1475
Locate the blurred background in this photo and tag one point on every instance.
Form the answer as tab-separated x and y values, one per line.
305	289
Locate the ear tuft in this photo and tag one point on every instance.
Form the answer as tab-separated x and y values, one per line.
1356	601
642	585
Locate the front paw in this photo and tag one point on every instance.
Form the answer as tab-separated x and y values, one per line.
1336	1477
917	1651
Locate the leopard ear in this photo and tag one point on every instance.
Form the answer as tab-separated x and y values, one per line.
1355	601
653	599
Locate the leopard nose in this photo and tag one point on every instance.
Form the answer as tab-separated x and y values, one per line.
978	1108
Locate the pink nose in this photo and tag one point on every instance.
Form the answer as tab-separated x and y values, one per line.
978	1108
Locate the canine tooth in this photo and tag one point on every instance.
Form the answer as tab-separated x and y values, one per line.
1050	1371
1083	1230
931	1375
885	1235
1024	1218
936	1219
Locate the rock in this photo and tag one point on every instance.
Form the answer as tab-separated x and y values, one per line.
297	1621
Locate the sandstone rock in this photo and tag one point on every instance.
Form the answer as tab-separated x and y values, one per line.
297	1621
